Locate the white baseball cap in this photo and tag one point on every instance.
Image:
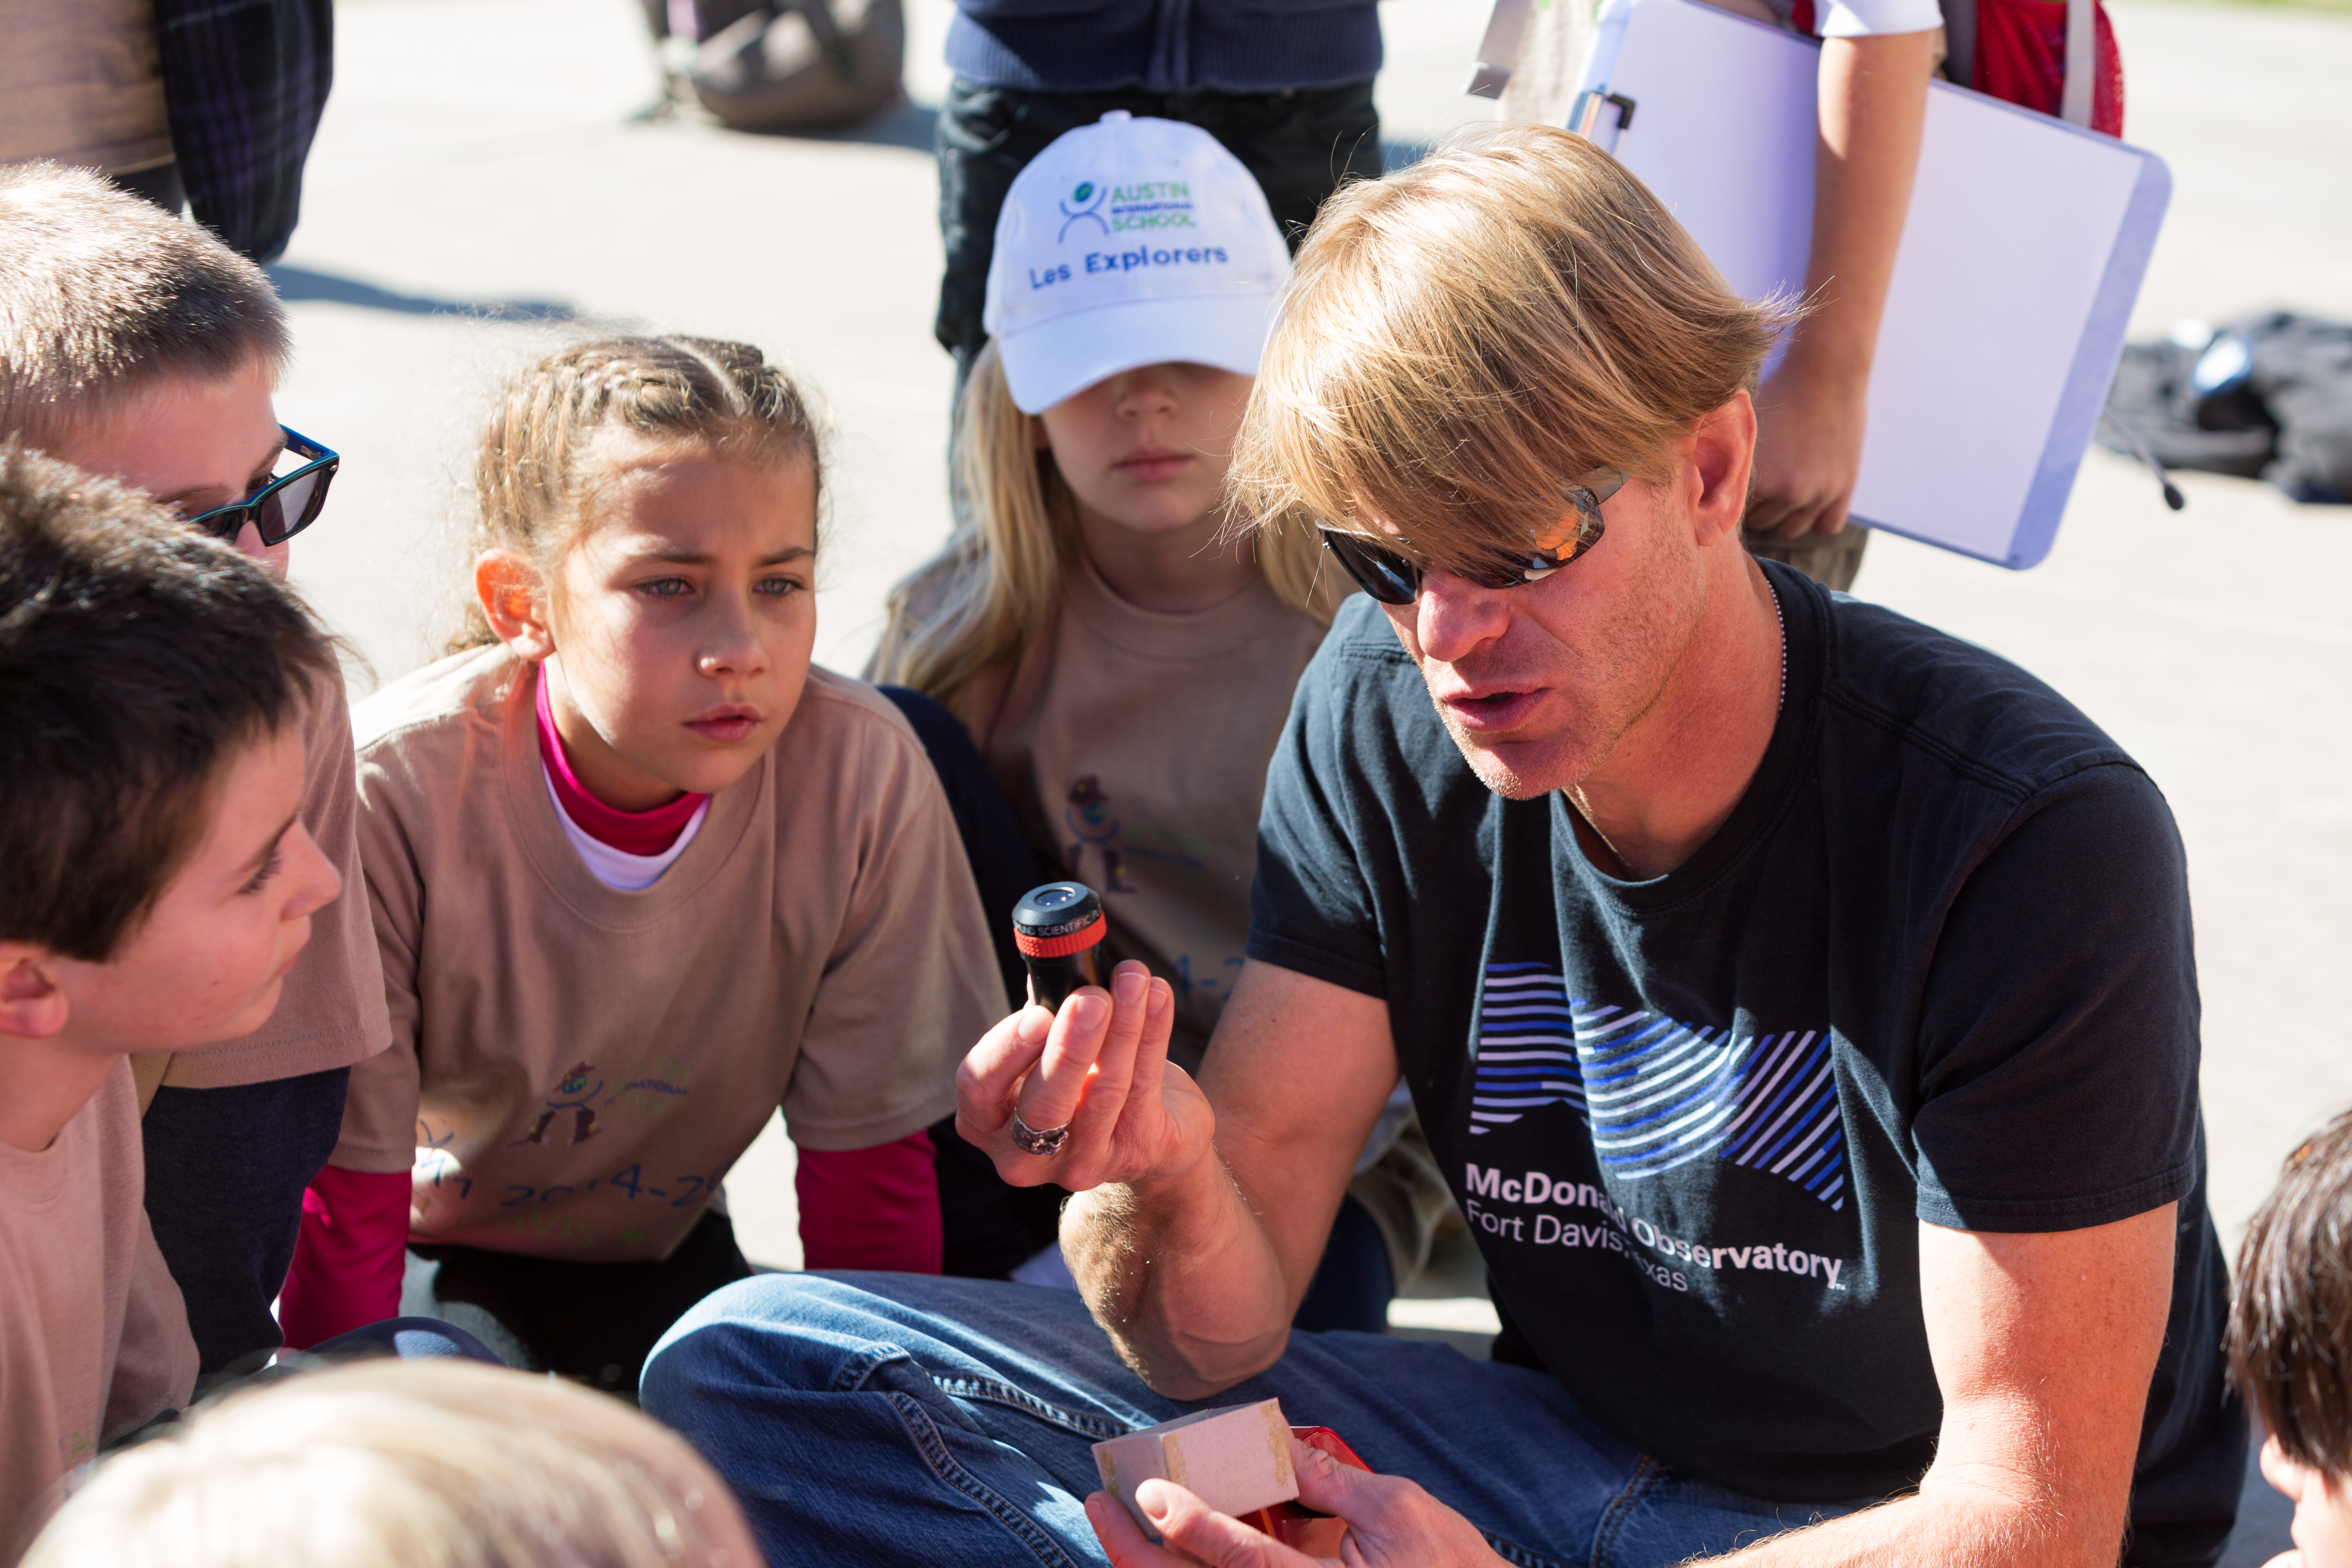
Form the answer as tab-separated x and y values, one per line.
1126	243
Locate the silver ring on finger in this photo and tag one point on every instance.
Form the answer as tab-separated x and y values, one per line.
1032	1141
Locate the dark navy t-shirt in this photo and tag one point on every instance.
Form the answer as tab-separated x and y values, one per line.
1935	966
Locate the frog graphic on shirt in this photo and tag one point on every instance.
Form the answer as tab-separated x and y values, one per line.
577	1094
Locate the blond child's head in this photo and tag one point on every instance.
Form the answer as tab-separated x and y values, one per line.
406	1464
137	345
647	535
1137	270
2291	1339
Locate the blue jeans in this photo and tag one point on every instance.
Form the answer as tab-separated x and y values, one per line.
903	1419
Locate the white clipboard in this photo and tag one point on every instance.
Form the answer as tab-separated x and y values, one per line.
2023	254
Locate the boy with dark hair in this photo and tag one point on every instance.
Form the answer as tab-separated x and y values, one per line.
139	347
156	885
2291	1342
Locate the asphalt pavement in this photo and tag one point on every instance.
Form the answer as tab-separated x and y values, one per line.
479	189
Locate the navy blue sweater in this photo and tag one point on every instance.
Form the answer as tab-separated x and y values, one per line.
1164	45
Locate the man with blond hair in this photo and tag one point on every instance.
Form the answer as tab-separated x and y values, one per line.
1800	1001
142	349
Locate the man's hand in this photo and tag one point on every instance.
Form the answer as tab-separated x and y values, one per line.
1390	1522
1192	1256
1100	1067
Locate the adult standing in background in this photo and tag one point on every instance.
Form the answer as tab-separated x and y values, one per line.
1285	85
210	104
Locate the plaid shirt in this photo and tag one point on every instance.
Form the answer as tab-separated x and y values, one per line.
244	83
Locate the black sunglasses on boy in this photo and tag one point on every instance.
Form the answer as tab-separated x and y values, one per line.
1395	579
286	505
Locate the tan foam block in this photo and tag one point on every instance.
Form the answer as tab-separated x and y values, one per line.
1236	1459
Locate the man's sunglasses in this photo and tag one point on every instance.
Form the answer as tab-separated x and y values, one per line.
1395	579
285	506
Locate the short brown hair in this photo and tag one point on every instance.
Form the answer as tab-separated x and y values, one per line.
535	481
100	292
2291	1308
1467	336
135	656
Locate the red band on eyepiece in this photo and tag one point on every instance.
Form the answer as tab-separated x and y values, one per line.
1061	946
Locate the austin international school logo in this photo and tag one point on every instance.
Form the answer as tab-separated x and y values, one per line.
1090	198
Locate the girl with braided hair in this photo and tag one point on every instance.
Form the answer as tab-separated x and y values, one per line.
641	875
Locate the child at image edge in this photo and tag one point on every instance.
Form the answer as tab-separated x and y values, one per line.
640	875
2291	1342
156	885
406	1464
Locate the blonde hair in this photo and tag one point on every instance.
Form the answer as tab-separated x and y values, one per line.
1468	336
990	592
101	292
536	480
404	1463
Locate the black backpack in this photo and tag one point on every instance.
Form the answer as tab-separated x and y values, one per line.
2268	398
788	65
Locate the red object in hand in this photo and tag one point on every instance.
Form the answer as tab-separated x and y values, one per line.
1299	1527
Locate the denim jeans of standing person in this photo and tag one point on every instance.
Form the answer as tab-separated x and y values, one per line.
1299	144
895	1419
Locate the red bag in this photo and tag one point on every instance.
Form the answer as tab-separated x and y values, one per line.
2021	58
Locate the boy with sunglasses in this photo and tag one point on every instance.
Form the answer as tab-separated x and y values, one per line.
140	348
1801	1003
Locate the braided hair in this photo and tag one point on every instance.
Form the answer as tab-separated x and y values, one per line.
537	478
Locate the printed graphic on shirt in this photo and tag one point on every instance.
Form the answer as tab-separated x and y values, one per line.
1656	1093
1088	815
1529	1217
657	1089
573	1104
575	1094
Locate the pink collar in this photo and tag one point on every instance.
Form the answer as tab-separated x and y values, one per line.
630	832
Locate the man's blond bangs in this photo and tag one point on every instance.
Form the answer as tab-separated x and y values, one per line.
1467	337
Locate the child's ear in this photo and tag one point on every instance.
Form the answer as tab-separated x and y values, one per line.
509	588
1038	440
33	1005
